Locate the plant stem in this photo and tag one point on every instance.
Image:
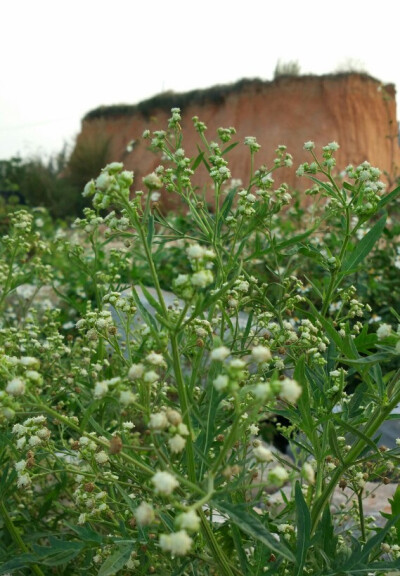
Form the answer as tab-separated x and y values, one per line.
17	537
361	512
375	421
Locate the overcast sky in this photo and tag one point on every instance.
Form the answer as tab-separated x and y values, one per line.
60	59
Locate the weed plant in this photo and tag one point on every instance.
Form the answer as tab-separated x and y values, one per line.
130	428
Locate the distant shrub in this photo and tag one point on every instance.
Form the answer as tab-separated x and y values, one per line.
351	65
289	68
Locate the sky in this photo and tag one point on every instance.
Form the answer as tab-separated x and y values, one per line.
60	59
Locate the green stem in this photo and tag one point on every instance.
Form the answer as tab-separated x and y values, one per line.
361	512
229	441
333	285
218	554
183	400
375	421
15	535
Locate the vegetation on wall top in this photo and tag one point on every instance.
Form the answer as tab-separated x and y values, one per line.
214	95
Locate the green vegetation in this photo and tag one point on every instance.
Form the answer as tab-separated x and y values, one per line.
142	353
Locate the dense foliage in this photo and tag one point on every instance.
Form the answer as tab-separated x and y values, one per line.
142	354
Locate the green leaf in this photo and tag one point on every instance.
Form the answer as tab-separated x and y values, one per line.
58	553
197	161
229	148
395	505
85	533
296	239
388	198
359	559
356	433
116	561
367	360
22	561
303	530
325	538
151	300
364	247
251	525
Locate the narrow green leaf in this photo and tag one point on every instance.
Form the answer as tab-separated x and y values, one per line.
395	505
116	561
303	530
364	247
22	561
368	360
251	525
357	433
151	300
296	239
85	533
202	159
388	198
197	161
229	148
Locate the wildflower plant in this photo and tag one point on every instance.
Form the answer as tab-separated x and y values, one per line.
132	441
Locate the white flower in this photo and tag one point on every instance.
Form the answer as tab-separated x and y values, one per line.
221	382
153	181
183	429
164	482
383	331
158	421
278	475
181	279
202	279
237	364
290	390
176	443
243	285
144	514
100	389
308	473
150	377
128	425
262	391
261	354
126	397
188	521
19	429
195	251
220	353
21	442
254	429
309	145
29	362
155	359
21	465
33	375
34	441
82	518
263	454
135	371
101	457
23	481
178	543
16	387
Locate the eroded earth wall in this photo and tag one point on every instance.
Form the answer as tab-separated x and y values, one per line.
355	110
